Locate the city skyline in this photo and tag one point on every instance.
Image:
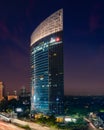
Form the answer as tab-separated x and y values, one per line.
83	43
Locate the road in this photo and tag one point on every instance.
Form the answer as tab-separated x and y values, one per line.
11	126
90	126
8	126
32	125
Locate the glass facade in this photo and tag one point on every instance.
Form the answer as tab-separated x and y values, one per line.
47	85
39	67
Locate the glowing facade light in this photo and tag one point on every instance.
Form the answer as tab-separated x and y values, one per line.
52	40
55	21
57	39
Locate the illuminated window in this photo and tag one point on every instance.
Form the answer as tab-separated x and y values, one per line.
32	66
54	54
41	77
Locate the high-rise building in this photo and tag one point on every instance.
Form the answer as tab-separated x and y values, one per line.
1	91
47	75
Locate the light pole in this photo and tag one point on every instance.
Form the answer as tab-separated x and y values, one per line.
57	99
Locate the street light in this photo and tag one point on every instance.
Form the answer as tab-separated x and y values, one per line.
57	99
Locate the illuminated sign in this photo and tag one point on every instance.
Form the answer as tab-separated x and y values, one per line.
57	39
54	39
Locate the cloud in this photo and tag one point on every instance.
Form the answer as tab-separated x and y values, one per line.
96	16
4	32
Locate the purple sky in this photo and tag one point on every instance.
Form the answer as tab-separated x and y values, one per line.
83	42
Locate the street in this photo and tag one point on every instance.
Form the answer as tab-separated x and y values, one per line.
31	124
91	127
8	126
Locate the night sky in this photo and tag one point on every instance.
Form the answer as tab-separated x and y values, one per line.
83	42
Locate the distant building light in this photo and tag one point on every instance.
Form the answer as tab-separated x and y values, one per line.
74	120
57	99
68	119
54	54
19	110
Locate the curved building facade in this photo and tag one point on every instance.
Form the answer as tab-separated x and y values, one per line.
47	75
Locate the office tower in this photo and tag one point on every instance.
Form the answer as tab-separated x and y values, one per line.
47	75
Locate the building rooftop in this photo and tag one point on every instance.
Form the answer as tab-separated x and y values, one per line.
50	25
